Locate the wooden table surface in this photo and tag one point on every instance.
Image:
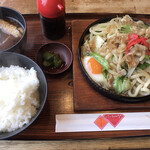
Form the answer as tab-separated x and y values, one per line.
78	6
86	6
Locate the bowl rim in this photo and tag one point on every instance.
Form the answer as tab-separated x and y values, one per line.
17	131
24	27
68	51
97	87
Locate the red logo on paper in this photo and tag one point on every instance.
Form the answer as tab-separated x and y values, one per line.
114	119
101	122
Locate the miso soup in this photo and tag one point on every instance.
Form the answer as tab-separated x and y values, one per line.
10	33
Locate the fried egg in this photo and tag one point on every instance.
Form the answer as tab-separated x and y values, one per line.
94	69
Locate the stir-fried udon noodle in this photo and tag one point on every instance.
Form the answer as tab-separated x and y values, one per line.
116	56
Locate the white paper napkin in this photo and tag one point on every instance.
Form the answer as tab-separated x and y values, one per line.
102	122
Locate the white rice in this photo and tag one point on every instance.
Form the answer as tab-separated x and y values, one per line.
19	97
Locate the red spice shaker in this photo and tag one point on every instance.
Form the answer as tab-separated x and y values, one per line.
52	17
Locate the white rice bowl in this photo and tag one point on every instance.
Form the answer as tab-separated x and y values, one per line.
19	97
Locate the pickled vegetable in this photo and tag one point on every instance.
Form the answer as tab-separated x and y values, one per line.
52	60
48	56
58	63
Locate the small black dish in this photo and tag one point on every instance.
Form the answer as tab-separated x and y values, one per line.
12	58
97	87
6	12
57	48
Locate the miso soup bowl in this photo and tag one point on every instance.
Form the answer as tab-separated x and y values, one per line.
10	13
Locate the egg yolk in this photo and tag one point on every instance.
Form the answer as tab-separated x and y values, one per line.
94	66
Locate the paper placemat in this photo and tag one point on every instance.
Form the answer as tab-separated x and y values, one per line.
102	122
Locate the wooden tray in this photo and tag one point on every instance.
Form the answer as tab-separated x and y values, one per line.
60	88
85	96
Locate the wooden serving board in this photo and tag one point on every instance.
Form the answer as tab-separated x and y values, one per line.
85	96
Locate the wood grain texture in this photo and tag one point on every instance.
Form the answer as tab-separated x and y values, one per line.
86	6
101	144
23	6
108	6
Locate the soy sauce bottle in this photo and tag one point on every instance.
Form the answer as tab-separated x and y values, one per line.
52	17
